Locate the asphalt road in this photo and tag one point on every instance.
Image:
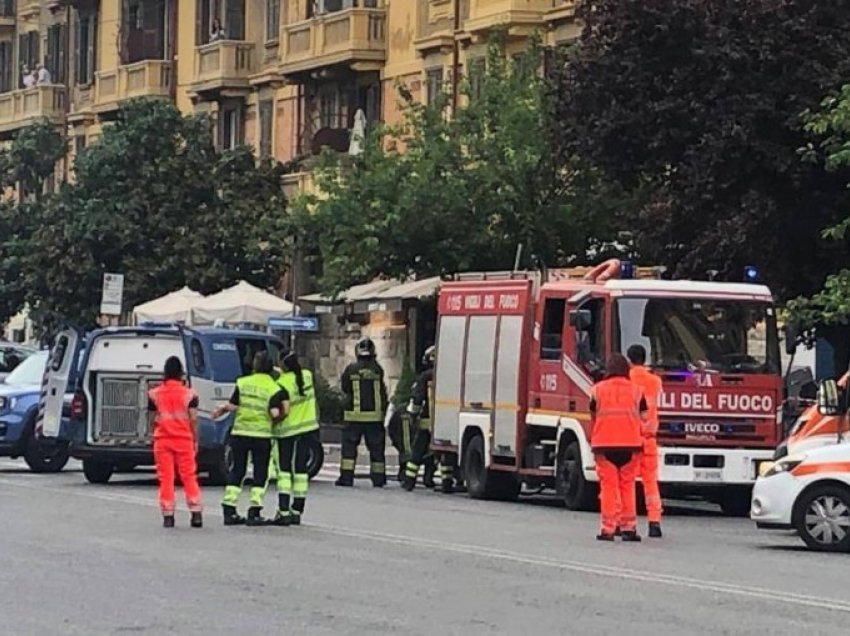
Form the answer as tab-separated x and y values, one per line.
82	559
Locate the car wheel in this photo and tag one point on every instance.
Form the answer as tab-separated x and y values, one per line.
822	517
97	472
221	469
574	489
316	458
44	458
735	502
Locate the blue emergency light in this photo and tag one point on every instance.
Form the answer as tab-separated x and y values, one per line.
627	270
751	274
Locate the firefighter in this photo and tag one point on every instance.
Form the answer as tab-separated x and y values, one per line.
293	436
650	384
258	402
617	408
366	395
175	442
420	408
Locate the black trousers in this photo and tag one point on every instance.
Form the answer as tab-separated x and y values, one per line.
293	480
376	442
420	454
259	449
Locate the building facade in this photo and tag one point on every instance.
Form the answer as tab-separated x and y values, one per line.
285	76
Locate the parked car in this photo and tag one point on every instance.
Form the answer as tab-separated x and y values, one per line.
19	399
11	355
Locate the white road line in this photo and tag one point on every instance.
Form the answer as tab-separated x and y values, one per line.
595	569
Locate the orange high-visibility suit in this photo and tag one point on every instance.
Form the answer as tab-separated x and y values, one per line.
651	386
617	406
174	443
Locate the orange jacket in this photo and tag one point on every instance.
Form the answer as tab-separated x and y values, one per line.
617	414
651	386
172	400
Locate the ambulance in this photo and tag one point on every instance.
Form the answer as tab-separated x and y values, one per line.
518	354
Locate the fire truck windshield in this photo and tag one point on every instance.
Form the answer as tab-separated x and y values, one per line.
699	334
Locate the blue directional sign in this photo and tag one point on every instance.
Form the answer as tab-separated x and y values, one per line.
295	323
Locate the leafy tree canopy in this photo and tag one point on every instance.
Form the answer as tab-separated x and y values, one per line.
693	107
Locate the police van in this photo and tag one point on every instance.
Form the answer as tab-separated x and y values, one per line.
107	423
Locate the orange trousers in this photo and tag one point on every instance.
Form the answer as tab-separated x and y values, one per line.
176	456
617	495
649	478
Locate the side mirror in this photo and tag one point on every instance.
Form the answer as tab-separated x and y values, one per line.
829	400
581	319
791	335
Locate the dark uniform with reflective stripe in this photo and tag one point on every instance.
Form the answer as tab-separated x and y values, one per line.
366	395
420	454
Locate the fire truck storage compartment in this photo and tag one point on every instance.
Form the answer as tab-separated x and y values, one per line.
121	412
448	381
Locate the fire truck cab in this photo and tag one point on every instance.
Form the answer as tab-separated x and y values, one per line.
518	354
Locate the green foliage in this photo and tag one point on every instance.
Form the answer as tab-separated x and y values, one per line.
691	109
441	194
404	388
155	200
329	399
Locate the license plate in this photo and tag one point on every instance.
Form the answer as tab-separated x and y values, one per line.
708	475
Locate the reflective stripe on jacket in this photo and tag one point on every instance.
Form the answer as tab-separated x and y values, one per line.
303	413
367	393
650	384
172	399
617	422
252	415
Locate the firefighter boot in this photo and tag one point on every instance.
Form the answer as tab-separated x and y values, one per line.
282	519
197	520
231	517
168	521
254	517
655	530
346	478
428	477
447	485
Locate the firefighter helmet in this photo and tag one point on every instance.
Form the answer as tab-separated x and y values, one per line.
429	357
365	348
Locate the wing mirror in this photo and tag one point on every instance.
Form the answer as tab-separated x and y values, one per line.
581	319
791	334
830	399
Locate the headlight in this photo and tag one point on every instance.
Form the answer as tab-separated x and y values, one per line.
785	465
3	402
7	403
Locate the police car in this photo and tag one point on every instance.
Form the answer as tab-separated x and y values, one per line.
108	425
809	491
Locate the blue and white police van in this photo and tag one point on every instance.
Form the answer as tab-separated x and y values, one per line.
107	423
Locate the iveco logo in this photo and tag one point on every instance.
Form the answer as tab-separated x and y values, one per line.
700	427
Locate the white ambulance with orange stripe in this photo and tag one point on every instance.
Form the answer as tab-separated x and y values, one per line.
518	353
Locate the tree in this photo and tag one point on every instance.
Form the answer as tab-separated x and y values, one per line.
442	194
693	108
155	200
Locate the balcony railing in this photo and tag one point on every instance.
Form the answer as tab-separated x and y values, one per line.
223	64
488	14
26	106
347	36
149	78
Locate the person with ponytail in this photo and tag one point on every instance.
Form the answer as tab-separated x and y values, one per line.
292	435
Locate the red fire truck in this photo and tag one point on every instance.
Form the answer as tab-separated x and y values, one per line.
518	354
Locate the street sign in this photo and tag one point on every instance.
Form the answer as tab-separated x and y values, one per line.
112	296
295	323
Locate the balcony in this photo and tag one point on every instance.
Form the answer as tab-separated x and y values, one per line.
223	65
521	17
7	14
26	106
356	37
149	78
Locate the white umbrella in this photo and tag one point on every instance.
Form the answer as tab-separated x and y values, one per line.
358	133
173	307
241	303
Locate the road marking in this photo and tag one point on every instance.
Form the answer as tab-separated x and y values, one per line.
596	569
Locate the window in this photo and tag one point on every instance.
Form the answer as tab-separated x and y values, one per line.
433	84
247	348
590	342
55	62
272	20
275	351
86	48
477	70
6	67
28	53
220	20
79	145
7	8
266	113
231	129
329	107
551	340
143	30
198	361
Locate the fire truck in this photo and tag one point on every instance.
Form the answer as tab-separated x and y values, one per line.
518	354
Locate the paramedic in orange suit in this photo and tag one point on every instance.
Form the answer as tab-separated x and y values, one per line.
617	408
651	386
175	442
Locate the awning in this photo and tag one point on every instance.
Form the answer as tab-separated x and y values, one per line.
241	303
326	305
381	295
174	307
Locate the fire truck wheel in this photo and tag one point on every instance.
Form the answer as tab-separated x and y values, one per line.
482	483
736	502
574	489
